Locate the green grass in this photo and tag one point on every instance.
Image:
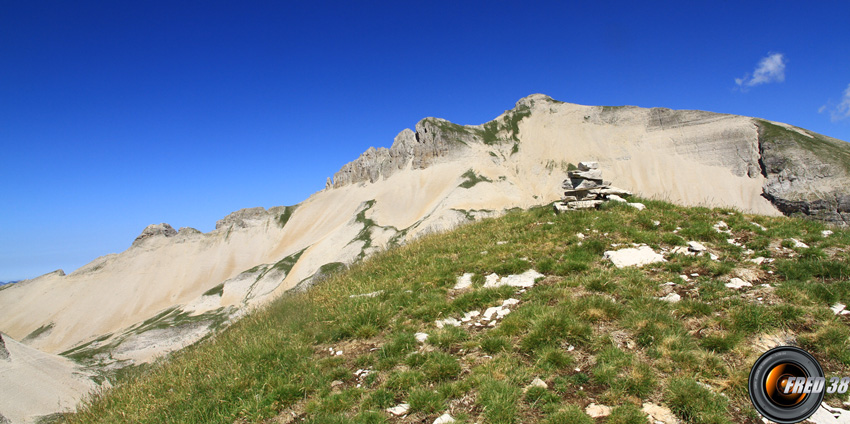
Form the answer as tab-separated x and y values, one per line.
589	330
283	218
38	331
471	179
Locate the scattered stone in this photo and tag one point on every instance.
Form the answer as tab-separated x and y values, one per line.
758	261
633	256
525	280
839	309
682	250
597	411
696	247
695	275
737	283
537	382
580	236
658	414
656	223
336	383
373	294
448	321
615	198
421	337
829	415
671	297
684	277
799	244
826	233
759	226
721	227
469	316
444	419
501	242
399	410
713	257
464	281
638	206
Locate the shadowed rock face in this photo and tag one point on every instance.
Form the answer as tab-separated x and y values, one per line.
4	354
154	230
808	174
434	139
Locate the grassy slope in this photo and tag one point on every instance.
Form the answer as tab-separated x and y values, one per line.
629	347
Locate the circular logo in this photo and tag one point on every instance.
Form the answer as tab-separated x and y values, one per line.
780	385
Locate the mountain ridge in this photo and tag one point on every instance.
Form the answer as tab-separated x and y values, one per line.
171	288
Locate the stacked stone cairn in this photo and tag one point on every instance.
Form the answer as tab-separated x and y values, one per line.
586	189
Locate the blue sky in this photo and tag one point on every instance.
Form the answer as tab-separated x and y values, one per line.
116	115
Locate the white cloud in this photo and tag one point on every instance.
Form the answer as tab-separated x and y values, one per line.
842	111
771	68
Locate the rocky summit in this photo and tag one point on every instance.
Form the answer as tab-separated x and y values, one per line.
171	288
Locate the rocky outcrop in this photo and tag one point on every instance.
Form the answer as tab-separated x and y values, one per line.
433	140
240	218
155	230
4	354
808	174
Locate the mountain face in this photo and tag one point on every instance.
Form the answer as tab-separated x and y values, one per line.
172	287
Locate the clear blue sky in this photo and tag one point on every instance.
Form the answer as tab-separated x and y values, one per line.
116	115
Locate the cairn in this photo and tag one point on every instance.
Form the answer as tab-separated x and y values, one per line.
586	189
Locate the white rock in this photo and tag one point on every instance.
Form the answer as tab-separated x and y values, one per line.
464	281
695	246
421	337
759	226
587	166
490	312
799	244
633	256
510	302
684	277
525	280
658	414
373	294
826	233
695	275
537	382
597	411
638	206
758	261
501	242
671	297
713	257
837	308
737	283
580	236
470	315
444	419
829	415
399	410
656	223
615	198
448	321
682	250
